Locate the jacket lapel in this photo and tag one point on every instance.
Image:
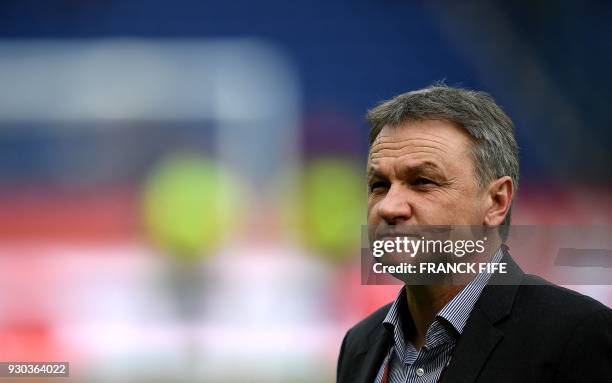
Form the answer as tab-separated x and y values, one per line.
476	343
480	336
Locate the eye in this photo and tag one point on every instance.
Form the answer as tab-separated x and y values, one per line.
423	181
376	186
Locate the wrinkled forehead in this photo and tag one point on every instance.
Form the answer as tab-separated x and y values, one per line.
431	138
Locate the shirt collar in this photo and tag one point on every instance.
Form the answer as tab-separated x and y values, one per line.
455	312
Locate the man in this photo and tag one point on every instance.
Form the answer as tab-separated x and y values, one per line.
448	156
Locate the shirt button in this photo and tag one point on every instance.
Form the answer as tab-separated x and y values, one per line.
420	372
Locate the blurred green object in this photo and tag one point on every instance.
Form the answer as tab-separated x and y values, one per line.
188	205
333	208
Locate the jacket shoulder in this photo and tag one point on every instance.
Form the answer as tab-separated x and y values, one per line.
555	309
357	341
536	291
356	337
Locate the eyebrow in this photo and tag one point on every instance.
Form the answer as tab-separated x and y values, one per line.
422	167
373	173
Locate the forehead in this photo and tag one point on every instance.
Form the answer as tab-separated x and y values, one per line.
432	141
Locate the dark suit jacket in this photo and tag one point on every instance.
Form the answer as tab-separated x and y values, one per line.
528	331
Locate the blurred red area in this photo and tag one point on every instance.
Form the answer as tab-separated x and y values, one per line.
48	214
28	341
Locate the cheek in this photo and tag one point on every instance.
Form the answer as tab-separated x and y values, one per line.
373	217
444	208
468	210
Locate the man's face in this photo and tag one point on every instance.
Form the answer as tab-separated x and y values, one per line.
422	173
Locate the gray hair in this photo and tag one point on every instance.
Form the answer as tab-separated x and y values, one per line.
495	151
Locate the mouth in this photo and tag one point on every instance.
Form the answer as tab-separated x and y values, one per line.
394	235
415	232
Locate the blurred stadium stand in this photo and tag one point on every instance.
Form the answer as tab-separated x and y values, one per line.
95	95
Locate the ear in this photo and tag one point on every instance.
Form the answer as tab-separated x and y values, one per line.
498	196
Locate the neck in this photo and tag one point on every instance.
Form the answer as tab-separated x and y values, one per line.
424	303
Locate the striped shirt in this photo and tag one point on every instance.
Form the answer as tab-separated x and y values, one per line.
405	363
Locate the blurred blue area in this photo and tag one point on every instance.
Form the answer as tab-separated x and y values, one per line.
546	62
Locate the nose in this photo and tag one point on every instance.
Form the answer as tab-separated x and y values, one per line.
395	207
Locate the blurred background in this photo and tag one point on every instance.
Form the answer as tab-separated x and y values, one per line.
181	183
